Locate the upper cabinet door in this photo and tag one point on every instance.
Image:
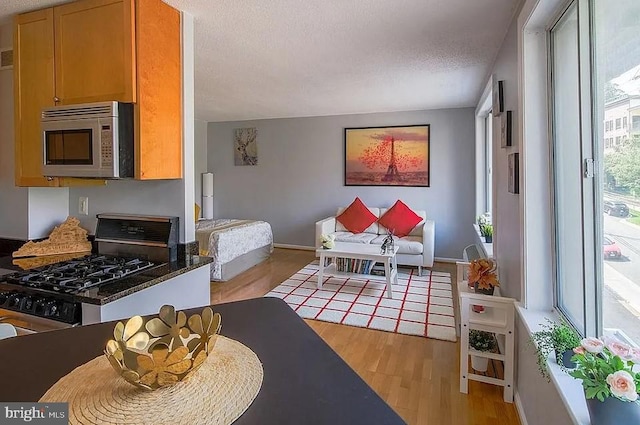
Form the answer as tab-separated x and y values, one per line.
33	73
95	51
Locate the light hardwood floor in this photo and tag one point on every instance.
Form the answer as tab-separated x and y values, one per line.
418	377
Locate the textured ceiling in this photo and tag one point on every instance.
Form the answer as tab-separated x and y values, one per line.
289	58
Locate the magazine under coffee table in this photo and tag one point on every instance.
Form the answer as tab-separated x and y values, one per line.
358	252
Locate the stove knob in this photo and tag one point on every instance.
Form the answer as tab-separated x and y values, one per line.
26	304
40	306
14	300
50	308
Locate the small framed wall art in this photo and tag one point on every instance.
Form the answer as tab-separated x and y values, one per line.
245	146
497	104
514	172
506	129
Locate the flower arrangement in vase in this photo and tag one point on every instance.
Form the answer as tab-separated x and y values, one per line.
482	275
610	383
328	241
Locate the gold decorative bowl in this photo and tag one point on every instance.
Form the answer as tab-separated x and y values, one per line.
164	350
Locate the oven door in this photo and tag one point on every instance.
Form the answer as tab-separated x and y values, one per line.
79	148
27	324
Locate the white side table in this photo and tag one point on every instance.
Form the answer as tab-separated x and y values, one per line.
498	317
358	252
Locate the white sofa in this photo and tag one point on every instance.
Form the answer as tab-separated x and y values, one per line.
415	249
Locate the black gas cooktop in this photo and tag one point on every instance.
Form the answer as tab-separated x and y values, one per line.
74	275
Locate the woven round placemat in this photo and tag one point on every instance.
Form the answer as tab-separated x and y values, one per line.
218	393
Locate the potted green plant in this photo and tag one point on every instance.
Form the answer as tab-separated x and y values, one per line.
606	368
559	338
486	230
481	341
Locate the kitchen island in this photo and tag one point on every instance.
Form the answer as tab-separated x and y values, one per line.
305	381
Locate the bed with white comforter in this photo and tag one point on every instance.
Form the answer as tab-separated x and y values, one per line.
234	245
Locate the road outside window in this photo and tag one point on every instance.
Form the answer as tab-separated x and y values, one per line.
617	33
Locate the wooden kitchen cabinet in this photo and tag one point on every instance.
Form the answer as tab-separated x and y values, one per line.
101	50
34	74
95	51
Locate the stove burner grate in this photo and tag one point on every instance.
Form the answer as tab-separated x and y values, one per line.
75	275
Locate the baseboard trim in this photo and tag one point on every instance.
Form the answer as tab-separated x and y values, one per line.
290	246
519	408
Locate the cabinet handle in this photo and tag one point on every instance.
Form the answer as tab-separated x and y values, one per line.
56	99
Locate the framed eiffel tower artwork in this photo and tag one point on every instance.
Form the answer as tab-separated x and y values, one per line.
387	156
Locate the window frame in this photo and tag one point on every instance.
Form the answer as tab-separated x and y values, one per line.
590	190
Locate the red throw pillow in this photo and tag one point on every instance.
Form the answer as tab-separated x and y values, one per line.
400	219
357	217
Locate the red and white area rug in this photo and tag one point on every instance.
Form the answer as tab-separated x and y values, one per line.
421	305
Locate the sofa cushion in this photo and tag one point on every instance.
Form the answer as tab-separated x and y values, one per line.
356	218
406	245
364	238
400	219
417	231
374	228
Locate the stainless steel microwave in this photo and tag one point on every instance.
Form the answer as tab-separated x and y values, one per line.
91	140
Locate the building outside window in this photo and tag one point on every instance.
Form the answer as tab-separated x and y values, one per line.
597	181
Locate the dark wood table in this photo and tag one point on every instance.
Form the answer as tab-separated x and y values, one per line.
305	381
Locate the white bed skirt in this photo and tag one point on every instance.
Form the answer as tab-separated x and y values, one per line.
225	240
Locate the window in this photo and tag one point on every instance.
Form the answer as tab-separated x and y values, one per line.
596	185
567	165
488	160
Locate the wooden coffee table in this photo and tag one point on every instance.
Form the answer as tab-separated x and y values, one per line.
358	252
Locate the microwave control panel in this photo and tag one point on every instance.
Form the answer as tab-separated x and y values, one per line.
106	141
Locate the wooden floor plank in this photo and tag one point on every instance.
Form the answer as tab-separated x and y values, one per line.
418	377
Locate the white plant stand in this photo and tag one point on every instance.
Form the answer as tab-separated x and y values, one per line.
498	317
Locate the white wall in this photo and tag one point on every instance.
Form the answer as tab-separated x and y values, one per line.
48	207
506	213
299	178
200	164
539	400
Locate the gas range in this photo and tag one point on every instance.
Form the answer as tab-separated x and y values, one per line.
82	273
47	292
45	297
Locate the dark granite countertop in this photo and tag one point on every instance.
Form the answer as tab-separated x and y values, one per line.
129	284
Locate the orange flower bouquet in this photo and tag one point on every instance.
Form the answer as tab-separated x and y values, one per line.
482	275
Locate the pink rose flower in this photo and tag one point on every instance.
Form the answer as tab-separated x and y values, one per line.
621	385
592	345
579	350
634	355
618	348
